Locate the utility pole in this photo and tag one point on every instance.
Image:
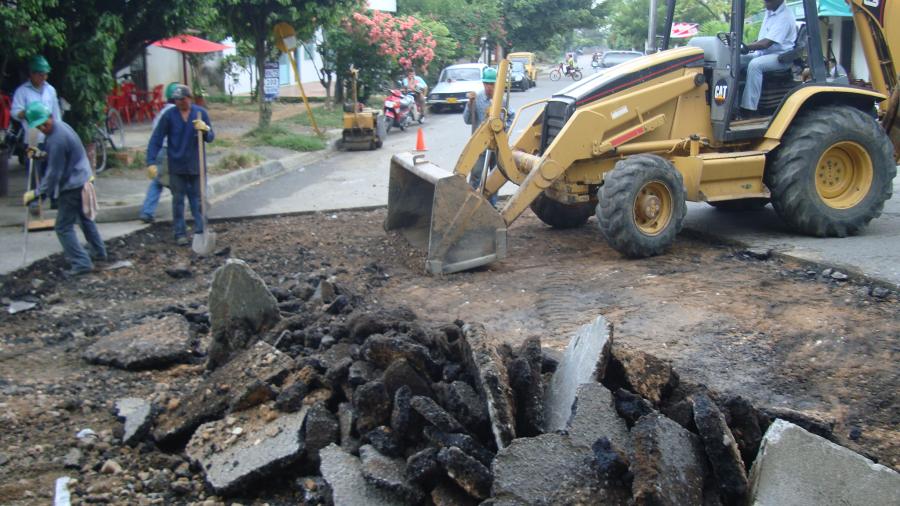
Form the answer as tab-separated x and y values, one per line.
651	31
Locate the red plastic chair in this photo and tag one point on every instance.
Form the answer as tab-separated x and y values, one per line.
116	100
156	102
5	107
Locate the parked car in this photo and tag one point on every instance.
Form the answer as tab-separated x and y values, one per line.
613	58
518	77
453	84
528	60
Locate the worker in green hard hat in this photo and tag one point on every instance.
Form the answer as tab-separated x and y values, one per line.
158	178
35	89
68	183
479	105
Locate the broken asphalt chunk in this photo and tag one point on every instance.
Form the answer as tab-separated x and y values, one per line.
153	344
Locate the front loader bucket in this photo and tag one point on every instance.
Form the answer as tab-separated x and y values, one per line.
438	211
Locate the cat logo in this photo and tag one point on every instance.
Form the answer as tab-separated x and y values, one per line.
720	92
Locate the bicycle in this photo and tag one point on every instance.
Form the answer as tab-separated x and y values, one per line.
557	73
111	131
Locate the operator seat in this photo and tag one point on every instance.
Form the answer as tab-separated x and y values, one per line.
778	83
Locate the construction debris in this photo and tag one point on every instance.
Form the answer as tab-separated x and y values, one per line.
153	344
797	467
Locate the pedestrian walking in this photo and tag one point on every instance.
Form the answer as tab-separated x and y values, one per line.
68	182
159	179
178	127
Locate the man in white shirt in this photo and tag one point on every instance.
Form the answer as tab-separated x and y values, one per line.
776	36
36	89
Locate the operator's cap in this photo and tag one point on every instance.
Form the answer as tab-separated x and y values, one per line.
38	63
181	91
489	75
36	113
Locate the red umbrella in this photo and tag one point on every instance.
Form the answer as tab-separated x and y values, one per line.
189	44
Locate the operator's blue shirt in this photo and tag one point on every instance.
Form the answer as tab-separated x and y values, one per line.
182	151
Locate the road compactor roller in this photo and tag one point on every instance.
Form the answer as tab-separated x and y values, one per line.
636	142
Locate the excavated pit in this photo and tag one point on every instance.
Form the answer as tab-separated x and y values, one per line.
409	389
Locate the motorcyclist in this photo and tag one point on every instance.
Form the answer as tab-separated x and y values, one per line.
419	89
570	63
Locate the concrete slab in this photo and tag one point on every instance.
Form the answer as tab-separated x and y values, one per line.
154	344
137	414
594	416
235	452
795	467
344	474
484	363
584	361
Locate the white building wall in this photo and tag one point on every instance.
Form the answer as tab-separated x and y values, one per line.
165	66
308	67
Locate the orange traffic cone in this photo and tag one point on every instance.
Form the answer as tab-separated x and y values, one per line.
420	141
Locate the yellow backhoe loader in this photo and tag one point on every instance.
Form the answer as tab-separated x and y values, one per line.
636	142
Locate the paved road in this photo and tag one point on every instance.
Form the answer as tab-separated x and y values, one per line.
358	179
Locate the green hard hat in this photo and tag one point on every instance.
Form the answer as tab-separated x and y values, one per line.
489	75
36	113
170	88
38	64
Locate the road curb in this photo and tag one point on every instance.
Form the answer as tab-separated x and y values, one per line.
225	184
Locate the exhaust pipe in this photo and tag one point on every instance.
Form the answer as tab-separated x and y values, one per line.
439	212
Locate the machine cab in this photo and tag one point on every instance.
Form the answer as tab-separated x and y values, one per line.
726	76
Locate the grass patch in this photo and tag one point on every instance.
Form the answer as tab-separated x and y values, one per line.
325	118
234	161
280	137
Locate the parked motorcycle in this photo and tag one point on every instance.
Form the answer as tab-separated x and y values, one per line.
400	109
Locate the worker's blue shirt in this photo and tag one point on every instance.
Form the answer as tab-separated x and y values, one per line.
67	163
182	150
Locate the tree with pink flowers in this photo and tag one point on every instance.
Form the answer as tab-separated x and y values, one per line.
403	39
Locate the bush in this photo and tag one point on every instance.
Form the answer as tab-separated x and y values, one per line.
234	161
280	137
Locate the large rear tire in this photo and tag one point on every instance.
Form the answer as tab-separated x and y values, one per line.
832	173
559	215
642	206
576	75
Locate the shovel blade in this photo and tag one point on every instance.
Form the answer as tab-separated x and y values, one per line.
439	212
204	243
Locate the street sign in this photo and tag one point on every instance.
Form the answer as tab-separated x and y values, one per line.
271	81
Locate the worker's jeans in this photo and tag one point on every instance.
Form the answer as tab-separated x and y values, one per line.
755	68
69	211
475	175
184	185
154	191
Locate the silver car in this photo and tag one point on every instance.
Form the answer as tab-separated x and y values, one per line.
453	85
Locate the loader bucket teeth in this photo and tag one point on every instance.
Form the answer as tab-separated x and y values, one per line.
439	212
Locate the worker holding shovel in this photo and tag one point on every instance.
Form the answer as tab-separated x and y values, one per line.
68	182
183	126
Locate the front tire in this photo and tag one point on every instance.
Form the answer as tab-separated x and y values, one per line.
559	215
642	206
832	173
555	75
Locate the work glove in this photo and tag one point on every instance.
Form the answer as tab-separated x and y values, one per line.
200	125
744	48
28	197
152	171
35	153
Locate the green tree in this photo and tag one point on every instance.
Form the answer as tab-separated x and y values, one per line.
532	24
466	21
251	21
26	28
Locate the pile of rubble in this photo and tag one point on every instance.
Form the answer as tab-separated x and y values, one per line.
377	407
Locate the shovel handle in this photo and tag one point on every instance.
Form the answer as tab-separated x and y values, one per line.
201	160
